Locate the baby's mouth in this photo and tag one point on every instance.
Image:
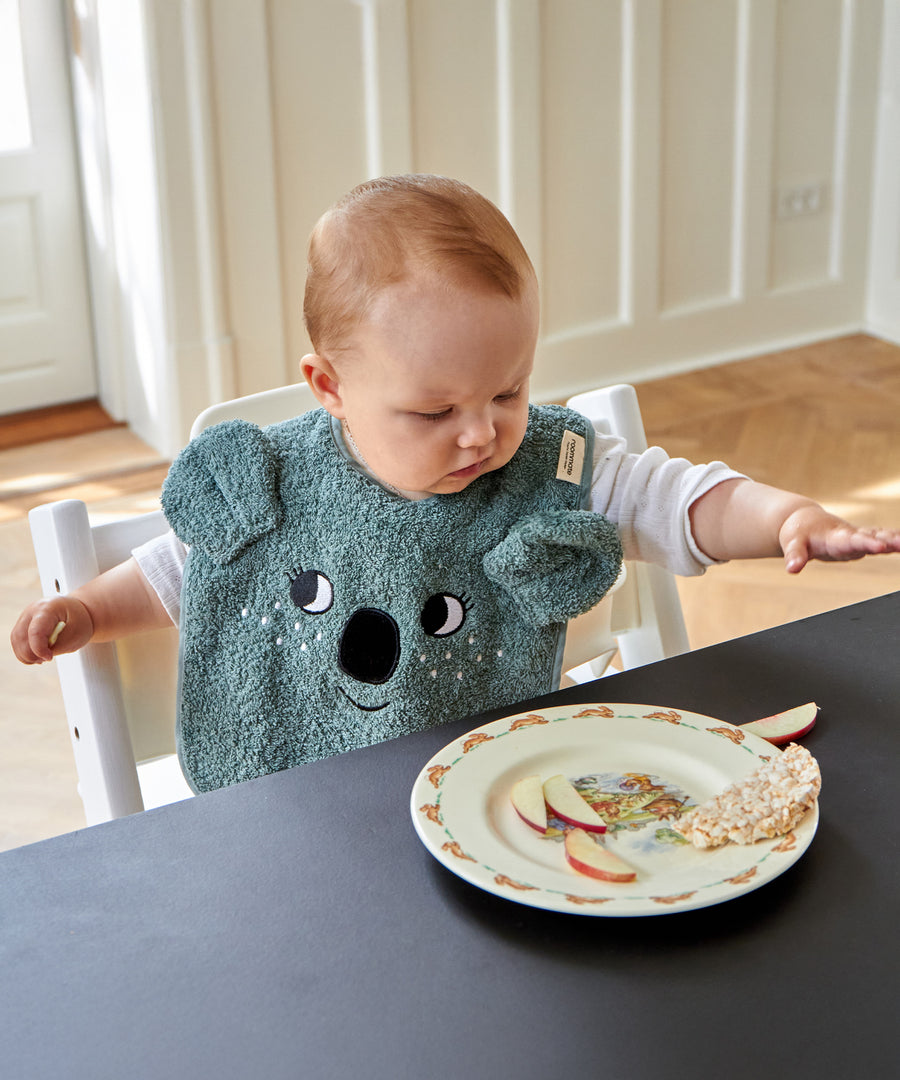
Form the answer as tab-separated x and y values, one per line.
469	470
365	708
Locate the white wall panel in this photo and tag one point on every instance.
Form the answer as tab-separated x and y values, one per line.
884	267
318	86
808	101
582	147
699	99
520	152
248	181
454	85
638	146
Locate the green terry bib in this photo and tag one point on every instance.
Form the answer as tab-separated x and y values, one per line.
321	612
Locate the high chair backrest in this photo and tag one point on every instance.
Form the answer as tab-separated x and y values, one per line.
642	618
267	407
120	699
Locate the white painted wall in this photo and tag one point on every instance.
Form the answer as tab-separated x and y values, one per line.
883	307
639	146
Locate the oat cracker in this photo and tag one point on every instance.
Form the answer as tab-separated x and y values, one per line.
768	803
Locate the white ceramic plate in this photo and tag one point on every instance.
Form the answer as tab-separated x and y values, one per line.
643	763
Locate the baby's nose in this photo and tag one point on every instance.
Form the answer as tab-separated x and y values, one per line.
369	648
478	431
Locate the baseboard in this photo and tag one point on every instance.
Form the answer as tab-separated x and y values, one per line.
883	331
741	352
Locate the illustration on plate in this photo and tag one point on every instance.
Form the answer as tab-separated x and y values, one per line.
630	802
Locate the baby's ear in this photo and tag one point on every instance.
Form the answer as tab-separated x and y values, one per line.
221	492
556	564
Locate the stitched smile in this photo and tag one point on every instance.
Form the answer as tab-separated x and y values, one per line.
365	708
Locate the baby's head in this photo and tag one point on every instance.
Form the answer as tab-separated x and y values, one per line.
422	307
403	228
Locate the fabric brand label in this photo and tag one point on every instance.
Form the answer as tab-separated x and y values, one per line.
571	457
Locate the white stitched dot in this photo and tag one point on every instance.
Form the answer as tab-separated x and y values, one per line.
423	658
303	646
499	652
319	636
278	641
459	674
278	605
264	620
433	674
478	659
471	639
296	626
244	613
447	655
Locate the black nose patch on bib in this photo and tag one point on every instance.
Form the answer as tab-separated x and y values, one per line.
369	648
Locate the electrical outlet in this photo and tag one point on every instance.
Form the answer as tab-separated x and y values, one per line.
801	200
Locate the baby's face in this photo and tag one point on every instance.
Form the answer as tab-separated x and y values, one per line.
435	389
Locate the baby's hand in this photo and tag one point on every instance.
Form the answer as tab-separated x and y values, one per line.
37	635
813	533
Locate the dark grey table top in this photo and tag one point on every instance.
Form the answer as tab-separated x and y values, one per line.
294	926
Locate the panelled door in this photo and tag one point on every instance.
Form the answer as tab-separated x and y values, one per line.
46	347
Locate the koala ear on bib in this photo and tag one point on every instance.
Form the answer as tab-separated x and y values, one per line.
221	492
556	564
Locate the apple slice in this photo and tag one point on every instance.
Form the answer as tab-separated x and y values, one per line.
782	727
567	803
589	856
527	796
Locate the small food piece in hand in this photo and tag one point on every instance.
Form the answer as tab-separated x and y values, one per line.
784	726
527	796
589	856
568	804
57	630
768	803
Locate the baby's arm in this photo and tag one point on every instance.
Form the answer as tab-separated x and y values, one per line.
116	603
741	519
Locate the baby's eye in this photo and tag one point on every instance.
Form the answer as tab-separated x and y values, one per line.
311	591
511	396
443	614
431	417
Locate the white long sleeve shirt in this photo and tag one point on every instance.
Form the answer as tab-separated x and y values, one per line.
647	496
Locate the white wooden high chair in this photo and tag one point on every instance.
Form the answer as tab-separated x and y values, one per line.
120	698
642	617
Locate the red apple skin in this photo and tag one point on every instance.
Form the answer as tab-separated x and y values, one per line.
600	873
542	829
575	823
588	826
519	796
786	726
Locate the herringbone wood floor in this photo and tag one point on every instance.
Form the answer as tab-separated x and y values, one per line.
823	419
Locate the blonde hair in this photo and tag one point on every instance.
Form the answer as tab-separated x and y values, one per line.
387	230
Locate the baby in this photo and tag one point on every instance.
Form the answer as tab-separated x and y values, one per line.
411	552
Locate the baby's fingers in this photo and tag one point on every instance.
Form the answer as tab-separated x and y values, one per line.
44	635
30	636
796	555
850	543
889	539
